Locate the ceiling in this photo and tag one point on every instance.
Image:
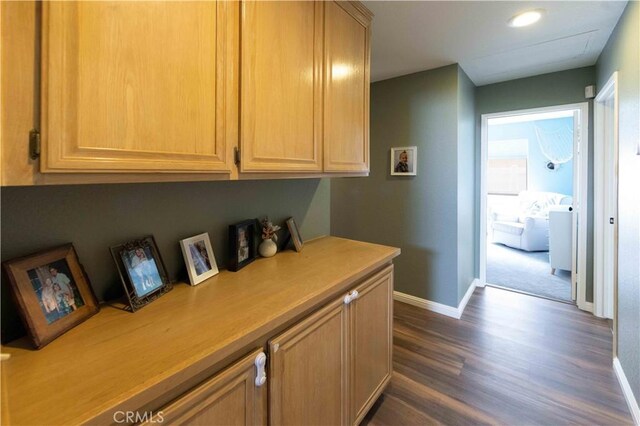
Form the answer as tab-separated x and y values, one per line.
408	37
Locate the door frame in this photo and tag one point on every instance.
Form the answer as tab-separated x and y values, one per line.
605	176
580	195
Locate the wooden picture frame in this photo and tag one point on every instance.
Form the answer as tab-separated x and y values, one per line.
242	244
399	167
199	258
298	243
141	271
51	291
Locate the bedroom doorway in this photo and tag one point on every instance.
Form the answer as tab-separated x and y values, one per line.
533	176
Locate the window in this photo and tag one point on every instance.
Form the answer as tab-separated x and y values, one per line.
506	176
507	166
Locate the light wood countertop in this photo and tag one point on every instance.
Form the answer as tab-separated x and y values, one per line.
119	360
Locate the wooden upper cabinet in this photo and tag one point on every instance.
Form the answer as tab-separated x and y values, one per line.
173	87
137	86
281	93
346	96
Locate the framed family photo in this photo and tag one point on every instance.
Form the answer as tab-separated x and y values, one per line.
404	161
242	244
141	270
198	256
51	291
295	234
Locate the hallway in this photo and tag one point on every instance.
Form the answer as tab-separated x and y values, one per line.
511	359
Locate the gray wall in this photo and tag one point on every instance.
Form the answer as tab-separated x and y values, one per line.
622	54
417	214
564	87
95	217
466	181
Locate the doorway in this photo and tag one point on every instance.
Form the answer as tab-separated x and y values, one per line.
533	201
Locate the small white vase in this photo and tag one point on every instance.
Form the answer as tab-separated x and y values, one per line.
267	248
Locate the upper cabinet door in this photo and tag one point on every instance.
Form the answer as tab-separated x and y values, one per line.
281	93
136	86
346	101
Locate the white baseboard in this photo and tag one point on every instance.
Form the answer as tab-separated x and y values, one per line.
626	390
588	307
467	296
439	308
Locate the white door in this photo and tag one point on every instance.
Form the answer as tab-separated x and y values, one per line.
577	201
606	198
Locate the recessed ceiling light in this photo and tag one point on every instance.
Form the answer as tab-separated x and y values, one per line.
526	18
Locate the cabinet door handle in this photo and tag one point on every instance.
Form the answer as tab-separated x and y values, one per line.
261	372
351	297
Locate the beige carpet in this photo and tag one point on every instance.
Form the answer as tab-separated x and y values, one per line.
526	271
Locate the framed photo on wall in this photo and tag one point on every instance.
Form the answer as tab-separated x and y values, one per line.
141	270
242	244
51	291
198	256
404	161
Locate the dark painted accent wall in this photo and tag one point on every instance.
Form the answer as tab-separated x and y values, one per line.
558	88
418	214
622	54
95	217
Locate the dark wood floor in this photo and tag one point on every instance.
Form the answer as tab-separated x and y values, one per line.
511	359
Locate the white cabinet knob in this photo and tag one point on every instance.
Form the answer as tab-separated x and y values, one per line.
348	298
351	297
261	380
261	372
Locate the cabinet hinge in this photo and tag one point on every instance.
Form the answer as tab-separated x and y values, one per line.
34	144
236	155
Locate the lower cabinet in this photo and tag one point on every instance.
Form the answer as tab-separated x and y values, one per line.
308	370
331	367
328	368
236	396
372	342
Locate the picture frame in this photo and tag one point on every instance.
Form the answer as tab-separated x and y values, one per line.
142	272
242	244
52	292
404	161
298	243
199	258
